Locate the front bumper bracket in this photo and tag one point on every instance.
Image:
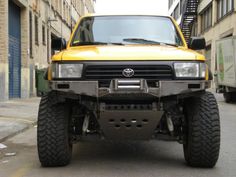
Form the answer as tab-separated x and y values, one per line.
130	86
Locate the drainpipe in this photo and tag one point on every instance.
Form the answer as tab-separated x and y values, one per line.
71	6
62	19
49	20
49	31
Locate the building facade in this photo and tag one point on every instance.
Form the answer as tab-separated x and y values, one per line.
26	30
175	9
216	19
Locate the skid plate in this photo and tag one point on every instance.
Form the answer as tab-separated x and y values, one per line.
129	124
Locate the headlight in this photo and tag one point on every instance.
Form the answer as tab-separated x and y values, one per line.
67	70
190	70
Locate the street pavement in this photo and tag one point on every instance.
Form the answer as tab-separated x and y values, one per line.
137	159
17	115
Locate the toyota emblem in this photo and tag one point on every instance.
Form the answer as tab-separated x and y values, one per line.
128	72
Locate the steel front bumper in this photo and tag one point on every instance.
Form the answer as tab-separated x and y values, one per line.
130	86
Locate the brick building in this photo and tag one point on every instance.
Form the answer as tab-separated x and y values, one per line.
216	19
26	30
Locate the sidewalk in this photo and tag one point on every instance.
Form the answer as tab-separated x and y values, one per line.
17	115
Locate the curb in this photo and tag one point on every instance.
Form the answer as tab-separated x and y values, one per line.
18	132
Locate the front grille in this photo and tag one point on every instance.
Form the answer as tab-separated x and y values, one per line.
105	73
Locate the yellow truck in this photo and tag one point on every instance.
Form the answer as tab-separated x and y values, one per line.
126	78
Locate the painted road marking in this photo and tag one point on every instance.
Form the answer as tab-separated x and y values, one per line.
22	171
17	119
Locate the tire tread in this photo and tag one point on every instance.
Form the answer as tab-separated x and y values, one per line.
52	132
203	139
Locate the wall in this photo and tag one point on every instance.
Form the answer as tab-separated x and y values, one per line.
57	21
220	28
3	50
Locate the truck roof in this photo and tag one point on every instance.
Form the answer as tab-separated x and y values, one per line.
117	14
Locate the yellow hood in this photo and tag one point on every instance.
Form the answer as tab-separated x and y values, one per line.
127	52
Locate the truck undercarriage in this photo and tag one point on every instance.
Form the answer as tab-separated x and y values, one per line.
128	109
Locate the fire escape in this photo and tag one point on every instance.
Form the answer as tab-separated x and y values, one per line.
189	17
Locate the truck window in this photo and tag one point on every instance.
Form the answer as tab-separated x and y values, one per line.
115	29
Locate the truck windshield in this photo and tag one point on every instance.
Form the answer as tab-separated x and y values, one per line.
119	30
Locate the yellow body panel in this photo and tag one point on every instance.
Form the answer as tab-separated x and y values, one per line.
127	52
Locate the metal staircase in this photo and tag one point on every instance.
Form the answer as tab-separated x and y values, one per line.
189	16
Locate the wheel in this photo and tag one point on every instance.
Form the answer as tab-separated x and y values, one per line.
227	97
53	138
202	141
230	97
233	96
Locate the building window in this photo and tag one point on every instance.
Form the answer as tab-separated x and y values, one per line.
206	18
36	30
64	10
30	34
57	6
224	7
43	35
176	12
60	7
181	7
170	3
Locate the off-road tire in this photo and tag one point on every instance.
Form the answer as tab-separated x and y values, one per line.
202	142
230	97
54	147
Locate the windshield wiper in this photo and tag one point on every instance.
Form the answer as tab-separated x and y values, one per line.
146	41
175	45
95	43
141	41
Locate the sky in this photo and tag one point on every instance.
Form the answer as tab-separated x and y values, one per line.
159	7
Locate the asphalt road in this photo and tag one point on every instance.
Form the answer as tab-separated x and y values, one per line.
141	159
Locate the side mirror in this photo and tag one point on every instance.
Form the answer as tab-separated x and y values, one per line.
197	43
58	44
